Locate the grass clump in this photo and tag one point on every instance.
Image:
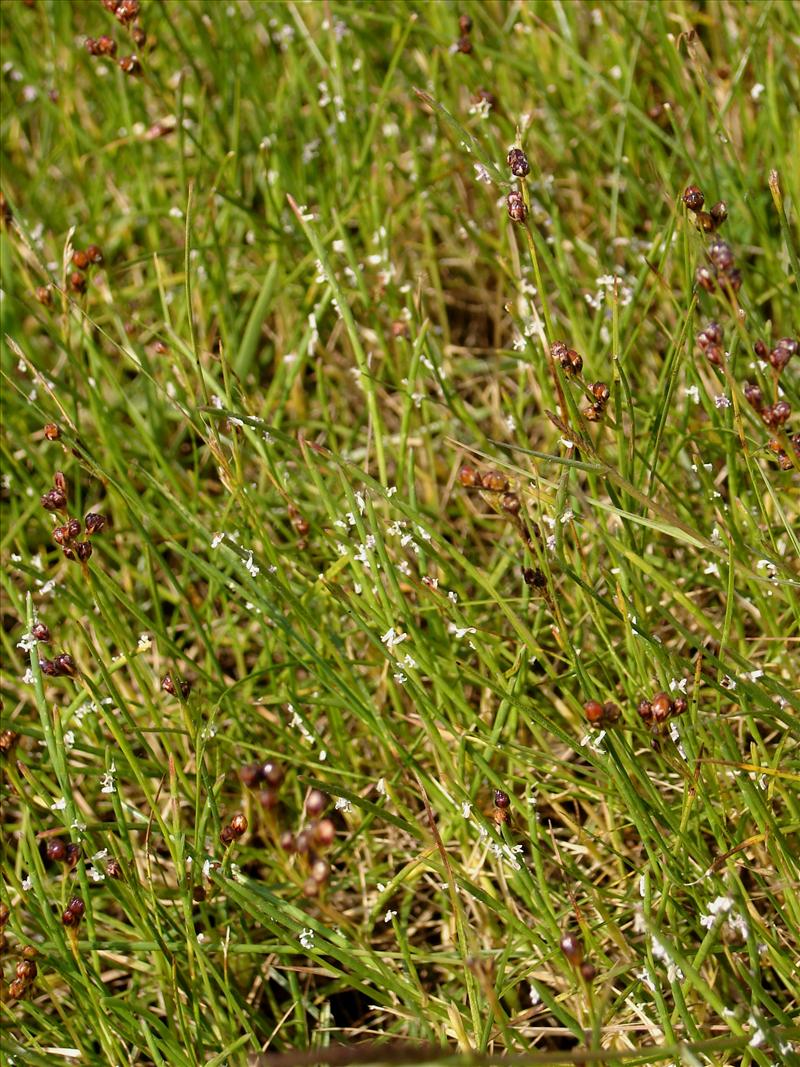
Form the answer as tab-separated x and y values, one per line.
399	532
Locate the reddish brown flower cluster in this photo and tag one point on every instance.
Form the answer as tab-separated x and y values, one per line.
66	536
502	806
571	362
464	43
776	415
176	686
26	970
655	712
601	393
707	221
60	851
126	12
269	776
8	742
61	666
103	46
314	838
74	912
517	208
235	829
518	162
600	715
723	272
82	260
709	340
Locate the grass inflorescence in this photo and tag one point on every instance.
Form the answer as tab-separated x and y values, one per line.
399	532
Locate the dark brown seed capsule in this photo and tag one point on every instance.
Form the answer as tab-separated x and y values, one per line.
753	395
83	550
324	833
645	711
287	841
705	279
593	413
199	894
611	713
95	523
239	824
693	198
73	854
273	774
139	36
777	414
77	282
250	775
56	850
535	578
719	212
304	840
715	355
320	871
785	462
54	500
588	971
26	971
169	686
61	535
558	350
5	914
713	333
316	803
494	482
126	11
17	989
661	706
95	254
464	45
572	948
130	65
732	280
90	44
469	477
760	349
80	259
311	887
48	668
501	799
571	362
510	503
30	952
600	392
704	222
518	162
106	46
593	710
114	868
227	836
77	906
795	439
721	255
65	665
52	432
44	295
72	528
8	742
268	799
465	24
679	706
41	632
517	211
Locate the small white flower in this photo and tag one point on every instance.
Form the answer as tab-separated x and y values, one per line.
400	678
567	443
392	638
728	682
678	685
535	998
380	787
721	401
59	805
756	91
466	809
390	914
27	677
27	883
461	631
693	393
69	739
27	642
482	174
306	939
144	643
712	568
567	517
452	597
342	804
107	781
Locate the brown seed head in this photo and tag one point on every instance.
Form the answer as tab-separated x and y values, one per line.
41	632
95	522
95	254
106	46
588	971
287	841
250	775
518	162
679	706
8	742
593	710
662	706
126	11
517	211
130	65
114	868
72	529
80	259
316	803
77	282
704	222
320	871
51	431
17	989
73	854
65	665
465	24
753	395
593	413
510	503
239	824
705	279
268	798
601	392
139	36
611	713
572	948
227	836
83	550
464	45
693	198
494	482
54	500
645	711
273	774
26	971
719	212
311	887
469	477
721	255
48	668
44	295
324	833
56	850
501	800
